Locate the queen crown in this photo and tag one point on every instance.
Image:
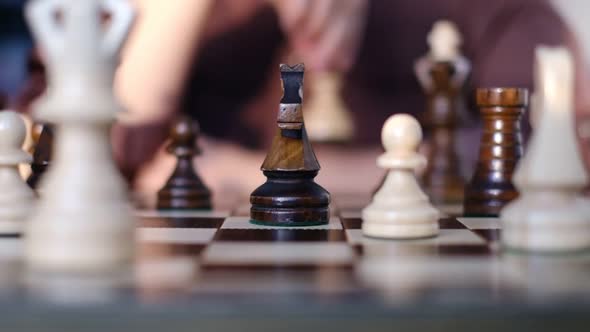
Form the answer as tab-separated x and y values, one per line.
80	53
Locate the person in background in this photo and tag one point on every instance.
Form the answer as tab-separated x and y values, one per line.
218	60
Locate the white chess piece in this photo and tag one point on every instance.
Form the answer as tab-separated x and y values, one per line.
80	55
16	198
550	215
326	117
400	209
444	40
84	218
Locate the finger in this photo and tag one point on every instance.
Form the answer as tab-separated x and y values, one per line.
318	18
332	50
291	13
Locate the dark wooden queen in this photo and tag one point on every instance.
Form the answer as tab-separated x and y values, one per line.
443	83
290	197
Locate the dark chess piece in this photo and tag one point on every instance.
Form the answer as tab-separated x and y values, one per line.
500	149
443	82
442	178
290	197
43	141
184	189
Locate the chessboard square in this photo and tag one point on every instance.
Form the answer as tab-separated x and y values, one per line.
278	254
404	250
445	237
480	223
450	223
464	250
490	235
244	223
149	251
352	223
176	235
153	213
181	222
280	235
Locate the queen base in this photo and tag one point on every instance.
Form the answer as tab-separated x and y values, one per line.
422	223
97	243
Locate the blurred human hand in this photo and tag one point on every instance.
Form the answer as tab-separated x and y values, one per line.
326	34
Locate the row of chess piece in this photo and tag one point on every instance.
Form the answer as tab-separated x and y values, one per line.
443	74
83	218
549	178
538	197
546	212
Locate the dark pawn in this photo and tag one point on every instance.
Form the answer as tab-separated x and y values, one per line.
43	139
500	149
184	189
290	197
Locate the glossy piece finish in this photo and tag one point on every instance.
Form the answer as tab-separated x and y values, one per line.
442	178
500	149
290	197
184	189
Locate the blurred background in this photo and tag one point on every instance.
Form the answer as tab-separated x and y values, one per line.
218	62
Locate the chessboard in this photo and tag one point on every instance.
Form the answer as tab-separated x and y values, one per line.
216	270
221	251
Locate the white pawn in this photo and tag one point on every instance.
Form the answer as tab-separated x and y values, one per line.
550	214
400	209
16	198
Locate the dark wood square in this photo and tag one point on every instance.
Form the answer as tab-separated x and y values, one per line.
352	223
184	222
159	250
450	223
490	235
280	235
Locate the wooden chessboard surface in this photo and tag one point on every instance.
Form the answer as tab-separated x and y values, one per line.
216	265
